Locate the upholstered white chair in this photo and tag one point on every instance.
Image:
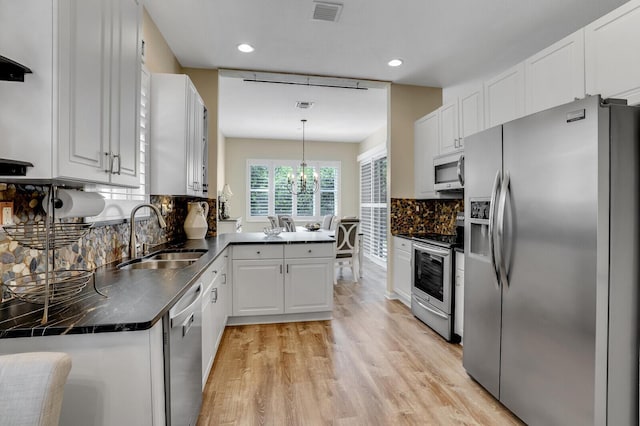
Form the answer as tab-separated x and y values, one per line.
31	388
274	221
347	246
287	223
326	222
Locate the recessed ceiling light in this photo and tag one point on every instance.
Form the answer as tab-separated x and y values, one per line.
245	48
395	62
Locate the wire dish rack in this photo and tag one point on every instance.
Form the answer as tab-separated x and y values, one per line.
63	285
34	235
51	285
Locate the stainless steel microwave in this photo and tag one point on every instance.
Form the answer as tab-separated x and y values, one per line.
448	170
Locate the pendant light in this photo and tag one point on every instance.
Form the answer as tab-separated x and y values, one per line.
298	183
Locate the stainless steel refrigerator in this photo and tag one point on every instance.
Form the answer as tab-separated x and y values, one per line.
551	253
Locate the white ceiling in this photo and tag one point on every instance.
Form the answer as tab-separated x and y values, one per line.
268	110
442	42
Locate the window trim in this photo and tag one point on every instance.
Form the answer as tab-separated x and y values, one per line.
271	165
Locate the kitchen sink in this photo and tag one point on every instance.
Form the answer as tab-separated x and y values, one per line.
164	259
177	254
155	264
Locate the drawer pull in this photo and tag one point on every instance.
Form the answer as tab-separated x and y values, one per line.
258	252
309	250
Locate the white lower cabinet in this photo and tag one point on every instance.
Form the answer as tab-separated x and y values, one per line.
116	378
305	285
296	280
458	318
215	302
402	269
207	333
257	287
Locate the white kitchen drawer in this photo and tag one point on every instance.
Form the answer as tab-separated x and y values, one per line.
258	251
292	251
402	244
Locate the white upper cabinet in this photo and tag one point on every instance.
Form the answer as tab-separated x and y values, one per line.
555	75
426	141
178	136
504	96
612	54
449	134
471	113
76	117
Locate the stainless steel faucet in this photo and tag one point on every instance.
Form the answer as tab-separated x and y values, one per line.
132	228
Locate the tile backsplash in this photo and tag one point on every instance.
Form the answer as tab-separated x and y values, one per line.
418	216
103	244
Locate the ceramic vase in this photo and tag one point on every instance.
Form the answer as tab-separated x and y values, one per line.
195	225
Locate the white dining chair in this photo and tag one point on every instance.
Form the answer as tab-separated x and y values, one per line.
31	388
287	223
347	246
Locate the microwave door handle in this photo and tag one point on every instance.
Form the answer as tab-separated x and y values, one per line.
502	206
492	207
460	170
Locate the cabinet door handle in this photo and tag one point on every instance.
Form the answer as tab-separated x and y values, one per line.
116	157
280	269
109	163
287	268
258	252
224	278
214	295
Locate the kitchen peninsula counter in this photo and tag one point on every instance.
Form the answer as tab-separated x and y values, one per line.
137	299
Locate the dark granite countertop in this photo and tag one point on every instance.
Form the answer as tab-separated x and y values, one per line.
137	299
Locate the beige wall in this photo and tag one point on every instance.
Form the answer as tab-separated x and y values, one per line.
222	153
407	104
206	82
158	57
239	150
375	140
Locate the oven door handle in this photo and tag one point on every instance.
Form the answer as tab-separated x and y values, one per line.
433	311
431	250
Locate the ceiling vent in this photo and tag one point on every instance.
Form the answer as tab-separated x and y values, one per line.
304	104
323	11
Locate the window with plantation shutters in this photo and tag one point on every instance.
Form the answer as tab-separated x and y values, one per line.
269	193
373	206
259	190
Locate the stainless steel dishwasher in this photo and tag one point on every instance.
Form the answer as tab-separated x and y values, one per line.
183	358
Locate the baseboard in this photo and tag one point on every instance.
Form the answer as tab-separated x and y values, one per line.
272	319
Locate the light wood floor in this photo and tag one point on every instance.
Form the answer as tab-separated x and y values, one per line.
373	364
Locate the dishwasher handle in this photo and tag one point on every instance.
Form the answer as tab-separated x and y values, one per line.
186	325
179	318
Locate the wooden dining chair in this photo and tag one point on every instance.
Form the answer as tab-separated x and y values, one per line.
347	246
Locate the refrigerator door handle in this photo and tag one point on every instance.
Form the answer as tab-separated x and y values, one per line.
492	207
502	206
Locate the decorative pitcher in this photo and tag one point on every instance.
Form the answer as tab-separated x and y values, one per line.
195	225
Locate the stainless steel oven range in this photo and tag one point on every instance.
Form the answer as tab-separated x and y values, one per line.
432	299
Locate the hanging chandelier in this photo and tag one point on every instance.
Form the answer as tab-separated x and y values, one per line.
298	183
